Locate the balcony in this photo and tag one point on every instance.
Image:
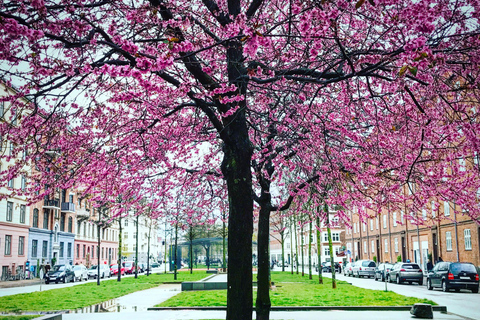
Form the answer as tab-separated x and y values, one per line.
83	212
51	204
68	207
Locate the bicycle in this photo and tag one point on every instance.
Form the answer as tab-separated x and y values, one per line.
6	276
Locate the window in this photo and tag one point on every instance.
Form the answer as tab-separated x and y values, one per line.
93	252
70	224
10	183
402	216
84	250
433	209
468	239
376	222
21	246
62	247
364	246
62	222
446	208
364	227
448	238
125	235
424	214
79	224
44	249
371	224
35	218
373	246
125	223
11	149
14	116
45	219
103	252
462	165
24	183
34	248
69	250
8	245
70	198
9	210
78	250
2	109
336	236
23	209
384	221
354	228
84	229
386	245
394	219
326	251
135	236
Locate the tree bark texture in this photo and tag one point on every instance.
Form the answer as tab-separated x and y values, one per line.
319	253
263	303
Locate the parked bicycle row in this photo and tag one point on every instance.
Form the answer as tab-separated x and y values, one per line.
445	275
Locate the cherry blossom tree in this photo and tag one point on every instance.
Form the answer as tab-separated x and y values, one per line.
371	95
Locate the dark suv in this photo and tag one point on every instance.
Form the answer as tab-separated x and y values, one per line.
453	275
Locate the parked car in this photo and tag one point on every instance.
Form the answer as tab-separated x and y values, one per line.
382	270
129	267
322	265
81	272
114	269
364	268
155	265
60	273
104	271
453	275
347	269
405	272
328	267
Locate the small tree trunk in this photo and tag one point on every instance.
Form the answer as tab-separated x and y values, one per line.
119	261
303	253
330	248
175	253
291	245
136	249
148	247
282	235
319	252
296	241
224	248
263	303
191	249
310	250
98	247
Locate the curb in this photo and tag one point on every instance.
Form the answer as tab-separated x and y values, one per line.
442	309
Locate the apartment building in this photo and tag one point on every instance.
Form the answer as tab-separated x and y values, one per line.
147	227
14	209
393	235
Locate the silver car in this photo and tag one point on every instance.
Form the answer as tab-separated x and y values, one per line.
104	271
364	268
81	272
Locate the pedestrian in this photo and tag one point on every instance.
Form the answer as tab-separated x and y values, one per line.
440	259
429	265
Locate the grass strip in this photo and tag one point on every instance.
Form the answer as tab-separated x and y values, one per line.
22	317
88	294
295	290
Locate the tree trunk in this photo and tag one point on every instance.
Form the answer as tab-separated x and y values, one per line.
319	252
330	248
136	249
148	247
98	247
303	254
191	250
282	235
310	250
175	253
119	261
224	251
263	304
296	241
237	172
291	244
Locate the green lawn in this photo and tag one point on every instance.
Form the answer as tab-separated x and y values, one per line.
23	317
88	294
295	290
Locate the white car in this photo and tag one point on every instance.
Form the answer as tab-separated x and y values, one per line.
80	272
104	271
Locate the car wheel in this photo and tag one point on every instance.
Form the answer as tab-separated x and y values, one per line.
475	290
444	286
398	280
457	290
65	279
47	282
429	285
389	279
376	279
383	278
73	279
420	283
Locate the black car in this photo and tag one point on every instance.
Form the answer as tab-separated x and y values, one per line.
405	272
328	267
453	275
60	273
382	271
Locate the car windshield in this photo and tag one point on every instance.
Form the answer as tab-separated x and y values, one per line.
456	268
59	268
128	264
410	266
93	268
114	266
77	268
